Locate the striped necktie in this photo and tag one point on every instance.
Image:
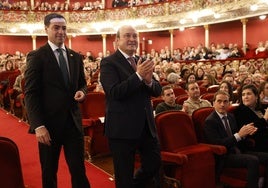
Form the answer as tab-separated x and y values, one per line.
132	62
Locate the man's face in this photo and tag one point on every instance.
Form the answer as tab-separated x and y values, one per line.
128	40
221	103
169	96
193	91
56	31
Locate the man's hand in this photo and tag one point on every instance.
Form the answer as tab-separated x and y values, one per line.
79	96
145	70
42	136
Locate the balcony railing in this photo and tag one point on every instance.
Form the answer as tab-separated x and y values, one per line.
152	17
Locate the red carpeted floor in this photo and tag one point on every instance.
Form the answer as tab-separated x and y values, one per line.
17	131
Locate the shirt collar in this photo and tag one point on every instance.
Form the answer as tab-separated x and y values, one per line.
125	55
221	115
54	47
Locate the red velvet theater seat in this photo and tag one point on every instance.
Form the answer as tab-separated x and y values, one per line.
10	166
93	109
183	157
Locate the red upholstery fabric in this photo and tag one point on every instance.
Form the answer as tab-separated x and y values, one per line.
203	90
208	96
179	91
184	159
11	172
199	116
156	101
180	99
92	109
213	88
94	105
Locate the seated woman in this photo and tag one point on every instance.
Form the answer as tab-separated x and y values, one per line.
250	110
227	87
208	80
263	93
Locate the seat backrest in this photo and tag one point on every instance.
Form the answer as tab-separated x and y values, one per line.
10	166
179	91
213	88
93	106
180	99
199	116
175	130
208	96
156	101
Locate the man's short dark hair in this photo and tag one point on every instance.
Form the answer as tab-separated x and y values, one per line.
164	88
222	93
52	16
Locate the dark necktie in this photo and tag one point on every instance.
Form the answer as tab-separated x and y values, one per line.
227	126
229	133
132	62
63	67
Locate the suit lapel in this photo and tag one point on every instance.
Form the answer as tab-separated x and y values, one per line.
71	63
124	62
52	60
222	129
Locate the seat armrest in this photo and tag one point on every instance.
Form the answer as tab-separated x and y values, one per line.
177	158
217	149
87	122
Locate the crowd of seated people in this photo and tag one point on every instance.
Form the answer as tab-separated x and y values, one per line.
46	6
206	73
78	5
213	52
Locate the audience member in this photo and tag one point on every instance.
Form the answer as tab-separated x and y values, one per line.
251	111
263	93
169	100
221	129
208	80
227	87
17	89
194	102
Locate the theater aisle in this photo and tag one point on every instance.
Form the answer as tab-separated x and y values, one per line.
18	131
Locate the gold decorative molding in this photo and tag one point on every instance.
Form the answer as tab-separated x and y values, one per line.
152	17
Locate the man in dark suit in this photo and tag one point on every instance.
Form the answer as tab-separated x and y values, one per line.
51	96
221	131
129	120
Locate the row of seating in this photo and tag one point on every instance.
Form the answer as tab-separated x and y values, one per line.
185	155
7	80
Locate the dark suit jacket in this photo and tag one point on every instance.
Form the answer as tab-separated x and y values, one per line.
215	132
128	104
48	101
245	115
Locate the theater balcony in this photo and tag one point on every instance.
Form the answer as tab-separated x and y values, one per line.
151	17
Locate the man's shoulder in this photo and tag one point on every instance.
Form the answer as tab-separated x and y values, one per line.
212	116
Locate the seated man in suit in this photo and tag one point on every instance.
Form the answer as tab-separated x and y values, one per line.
221	129
194	102
169	101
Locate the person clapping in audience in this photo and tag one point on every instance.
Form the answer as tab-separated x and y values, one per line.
251	111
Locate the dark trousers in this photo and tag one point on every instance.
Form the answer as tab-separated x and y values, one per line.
73	144
251	161
123	153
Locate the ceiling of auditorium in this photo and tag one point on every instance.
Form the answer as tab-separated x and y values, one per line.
154	17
